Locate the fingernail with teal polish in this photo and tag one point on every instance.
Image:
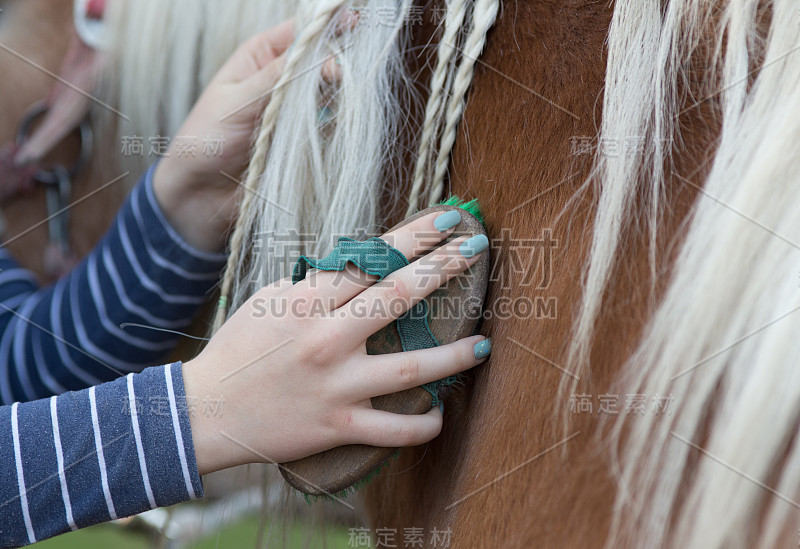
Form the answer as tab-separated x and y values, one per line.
447	221
474	246
483	348
441	407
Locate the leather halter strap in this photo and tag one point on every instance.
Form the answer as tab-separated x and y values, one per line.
65	109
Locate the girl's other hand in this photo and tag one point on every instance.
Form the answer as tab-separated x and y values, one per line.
197	191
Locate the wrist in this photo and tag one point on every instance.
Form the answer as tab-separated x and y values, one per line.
213	451
191	205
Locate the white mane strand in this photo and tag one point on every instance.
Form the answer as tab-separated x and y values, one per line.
724	337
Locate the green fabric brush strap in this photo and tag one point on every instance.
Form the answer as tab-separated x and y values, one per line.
373	256
376	257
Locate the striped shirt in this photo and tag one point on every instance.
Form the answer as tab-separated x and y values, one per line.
67	336
99	451
94	455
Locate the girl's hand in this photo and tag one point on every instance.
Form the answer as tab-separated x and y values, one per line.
292	368
198	190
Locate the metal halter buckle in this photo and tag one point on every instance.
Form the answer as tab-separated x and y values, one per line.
84	132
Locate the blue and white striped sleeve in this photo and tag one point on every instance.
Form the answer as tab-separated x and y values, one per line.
90	456
68	336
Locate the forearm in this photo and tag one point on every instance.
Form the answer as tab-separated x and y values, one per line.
71	335
199	211
90	456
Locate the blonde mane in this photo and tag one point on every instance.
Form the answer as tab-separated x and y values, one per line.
162	56
723	337
311	176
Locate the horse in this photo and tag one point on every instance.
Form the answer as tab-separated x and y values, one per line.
634	162
35	38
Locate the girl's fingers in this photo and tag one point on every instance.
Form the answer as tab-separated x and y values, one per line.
337	288
331	70
385	374
267	45
256	53
422	234
389	299
260	85
347	21
388	430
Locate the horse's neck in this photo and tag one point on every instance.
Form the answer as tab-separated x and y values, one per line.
507	470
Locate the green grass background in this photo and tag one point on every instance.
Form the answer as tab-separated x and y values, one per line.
242	535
